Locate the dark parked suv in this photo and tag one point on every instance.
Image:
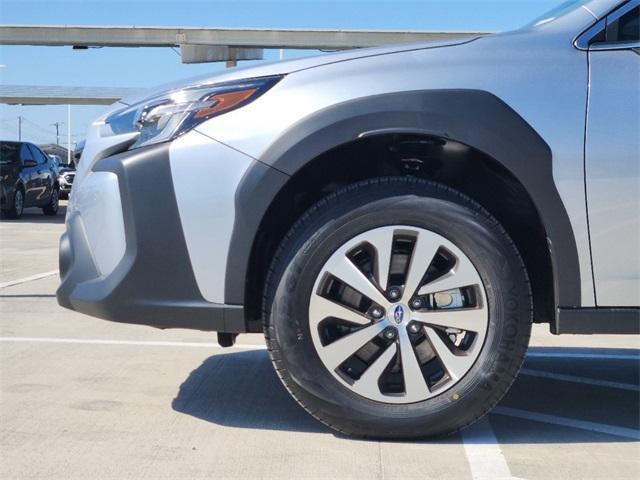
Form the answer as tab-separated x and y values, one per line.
28	179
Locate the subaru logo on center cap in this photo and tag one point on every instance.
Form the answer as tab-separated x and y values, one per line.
398	314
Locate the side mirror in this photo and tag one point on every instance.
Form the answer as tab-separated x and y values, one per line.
30	163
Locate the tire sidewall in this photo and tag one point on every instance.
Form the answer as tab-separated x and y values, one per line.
55	200
18	211
15	212
54	203
508	298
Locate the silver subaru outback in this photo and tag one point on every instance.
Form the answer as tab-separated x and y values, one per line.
394	219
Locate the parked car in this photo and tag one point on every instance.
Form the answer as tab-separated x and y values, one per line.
394	219
66	175
77	152
28	178
56	161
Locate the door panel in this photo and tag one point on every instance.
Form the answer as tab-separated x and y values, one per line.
42	176
29	176
612	167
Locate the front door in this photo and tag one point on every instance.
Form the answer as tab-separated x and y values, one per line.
612	163
29	176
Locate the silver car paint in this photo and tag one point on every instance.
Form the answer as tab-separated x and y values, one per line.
98	206
205	177
96	201
537	72
96	145
613	175
284	67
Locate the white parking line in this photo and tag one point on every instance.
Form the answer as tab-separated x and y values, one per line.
568	422
575	379
147	343
535	354
485	457
595	355
31	278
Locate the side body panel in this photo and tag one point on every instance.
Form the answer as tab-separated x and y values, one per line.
613	176
29	176
46	177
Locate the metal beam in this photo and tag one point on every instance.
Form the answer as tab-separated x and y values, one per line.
208	53
49	95
132	36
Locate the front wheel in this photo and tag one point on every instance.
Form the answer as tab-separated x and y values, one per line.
15	211
397	308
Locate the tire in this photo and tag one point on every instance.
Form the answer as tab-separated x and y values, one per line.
15	211
54	203
389	402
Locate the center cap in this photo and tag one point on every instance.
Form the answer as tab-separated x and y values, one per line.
398	313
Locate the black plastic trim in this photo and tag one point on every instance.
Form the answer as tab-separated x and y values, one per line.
258	187
610	320
154	283
472	117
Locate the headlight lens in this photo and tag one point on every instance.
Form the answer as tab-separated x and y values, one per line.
169	115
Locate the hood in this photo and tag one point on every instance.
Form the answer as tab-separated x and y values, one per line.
291	66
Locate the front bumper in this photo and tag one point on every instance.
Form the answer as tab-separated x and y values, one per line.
127	260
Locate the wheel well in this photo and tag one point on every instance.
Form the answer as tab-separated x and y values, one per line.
442	160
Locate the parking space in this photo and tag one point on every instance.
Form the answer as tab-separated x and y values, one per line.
85	398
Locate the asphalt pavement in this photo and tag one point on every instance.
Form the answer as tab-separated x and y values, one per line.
89	399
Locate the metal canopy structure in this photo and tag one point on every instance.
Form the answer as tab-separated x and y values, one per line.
47	95
204	44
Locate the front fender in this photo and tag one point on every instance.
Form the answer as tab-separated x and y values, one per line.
473	117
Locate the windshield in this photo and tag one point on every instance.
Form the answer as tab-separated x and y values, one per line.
556	12
9	153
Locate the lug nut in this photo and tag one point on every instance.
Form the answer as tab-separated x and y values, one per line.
376	312
414	327
394	293
390	333
416	303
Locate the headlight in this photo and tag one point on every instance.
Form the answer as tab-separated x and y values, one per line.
169	115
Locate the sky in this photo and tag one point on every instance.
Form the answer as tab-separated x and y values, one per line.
146	67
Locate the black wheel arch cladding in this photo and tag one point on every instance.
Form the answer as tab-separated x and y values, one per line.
472	117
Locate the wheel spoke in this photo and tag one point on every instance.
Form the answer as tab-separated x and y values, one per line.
382	241
337	352
463	274
367	384
344	269
414	384
424	250
321	308
456	365
469	319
